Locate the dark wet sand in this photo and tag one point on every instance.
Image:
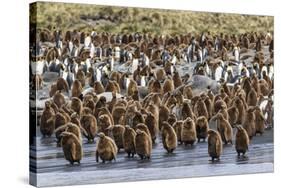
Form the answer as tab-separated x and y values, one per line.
53	169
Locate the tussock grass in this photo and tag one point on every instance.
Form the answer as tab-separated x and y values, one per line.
86	17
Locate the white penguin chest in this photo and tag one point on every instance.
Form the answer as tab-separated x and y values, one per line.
135	65
236	55
64	75
88	63
174	60
92	51
271	72
76	53
127	83
264	69
70	46
218	73
87	41
207	69
117	52
146	60
98	75
240	66
143	82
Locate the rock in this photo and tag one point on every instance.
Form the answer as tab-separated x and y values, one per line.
108	95
200	83
50	76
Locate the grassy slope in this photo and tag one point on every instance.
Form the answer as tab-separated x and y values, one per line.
122	19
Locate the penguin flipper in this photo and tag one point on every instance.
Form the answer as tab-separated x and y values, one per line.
84	132
73	151
61	128
66	86
224	136
50	119
218	147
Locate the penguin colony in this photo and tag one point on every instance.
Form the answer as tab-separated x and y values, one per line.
152	102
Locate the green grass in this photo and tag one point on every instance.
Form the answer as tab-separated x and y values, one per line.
156	21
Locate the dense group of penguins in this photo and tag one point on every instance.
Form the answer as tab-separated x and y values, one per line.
132	120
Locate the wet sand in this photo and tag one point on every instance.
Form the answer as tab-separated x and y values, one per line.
186	161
